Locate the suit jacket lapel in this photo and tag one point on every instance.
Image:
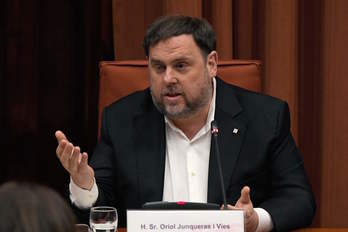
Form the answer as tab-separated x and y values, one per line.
232	128
149	143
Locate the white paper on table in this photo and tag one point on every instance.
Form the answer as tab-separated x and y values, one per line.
185	221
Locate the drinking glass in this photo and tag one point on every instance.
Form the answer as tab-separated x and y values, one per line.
103	219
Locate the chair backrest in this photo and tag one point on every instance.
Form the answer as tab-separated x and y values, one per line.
120	78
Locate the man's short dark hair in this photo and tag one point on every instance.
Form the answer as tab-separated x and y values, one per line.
175	25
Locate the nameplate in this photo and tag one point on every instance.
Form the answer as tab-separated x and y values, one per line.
185	220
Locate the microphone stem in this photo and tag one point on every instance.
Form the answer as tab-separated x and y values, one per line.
220	170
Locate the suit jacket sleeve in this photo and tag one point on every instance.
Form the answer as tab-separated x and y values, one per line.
103	163
291	204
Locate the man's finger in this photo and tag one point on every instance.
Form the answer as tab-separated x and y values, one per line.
74	161
245	195
84	159
66	155
60	136
60	148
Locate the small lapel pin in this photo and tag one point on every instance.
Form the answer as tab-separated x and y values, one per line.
235	131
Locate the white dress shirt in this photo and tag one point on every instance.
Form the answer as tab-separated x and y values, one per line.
186	170
187	162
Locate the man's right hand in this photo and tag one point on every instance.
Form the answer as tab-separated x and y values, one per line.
75	162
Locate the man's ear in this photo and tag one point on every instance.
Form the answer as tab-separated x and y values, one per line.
212	61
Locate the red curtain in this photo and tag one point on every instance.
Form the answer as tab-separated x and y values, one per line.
49	58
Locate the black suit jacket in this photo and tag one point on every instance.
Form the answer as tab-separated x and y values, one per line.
129	159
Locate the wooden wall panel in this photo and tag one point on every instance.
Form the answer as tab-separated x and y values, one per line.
129	28
105	28
184	7
281	54
221	20
334	114
243	29
153	9
310	94
131	18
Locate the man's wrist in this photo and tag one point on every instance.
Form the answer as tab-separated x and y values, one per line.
265	221
83	198
87	186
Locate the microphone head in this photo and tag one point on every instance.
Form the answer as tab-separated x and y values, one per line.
214	127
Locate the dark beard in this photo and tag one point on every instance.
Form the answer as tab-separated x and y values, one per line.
191	108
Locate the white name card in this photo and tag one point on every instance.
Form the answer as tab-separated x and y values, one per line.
185	220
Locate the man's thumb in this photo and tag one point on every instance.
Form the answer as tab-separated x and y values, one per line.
245	195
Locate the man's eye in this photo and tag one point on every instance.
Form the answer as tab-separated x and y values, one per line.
160	68
180	65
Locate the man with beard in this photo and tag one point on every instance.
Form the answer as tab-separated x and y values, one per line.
156	144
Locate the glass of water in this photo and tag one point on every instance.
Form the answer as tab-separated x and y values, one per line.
103	219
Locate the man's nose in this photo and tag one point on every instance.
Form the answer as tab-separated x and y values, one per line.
170	76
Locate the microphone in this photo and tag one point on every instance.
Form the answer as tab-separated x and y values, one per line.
215	132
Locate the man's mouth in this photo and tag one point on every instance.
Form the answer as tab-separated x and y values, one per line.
172	97
172	94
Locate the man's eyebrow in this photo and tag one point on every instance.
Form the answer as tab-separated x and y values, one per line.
180	59
155	61
176	60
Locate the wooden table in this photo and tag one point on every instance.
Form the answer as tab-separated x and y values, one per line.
323	230
83	229
301	230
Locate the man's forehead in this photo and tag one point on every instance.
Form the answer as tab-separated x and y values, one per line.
178	38
182	45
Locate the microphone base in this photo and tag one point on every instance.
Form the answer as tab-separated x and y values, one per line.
180	205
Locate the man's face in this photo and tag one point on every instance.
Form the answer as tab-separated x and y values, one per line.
180	77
